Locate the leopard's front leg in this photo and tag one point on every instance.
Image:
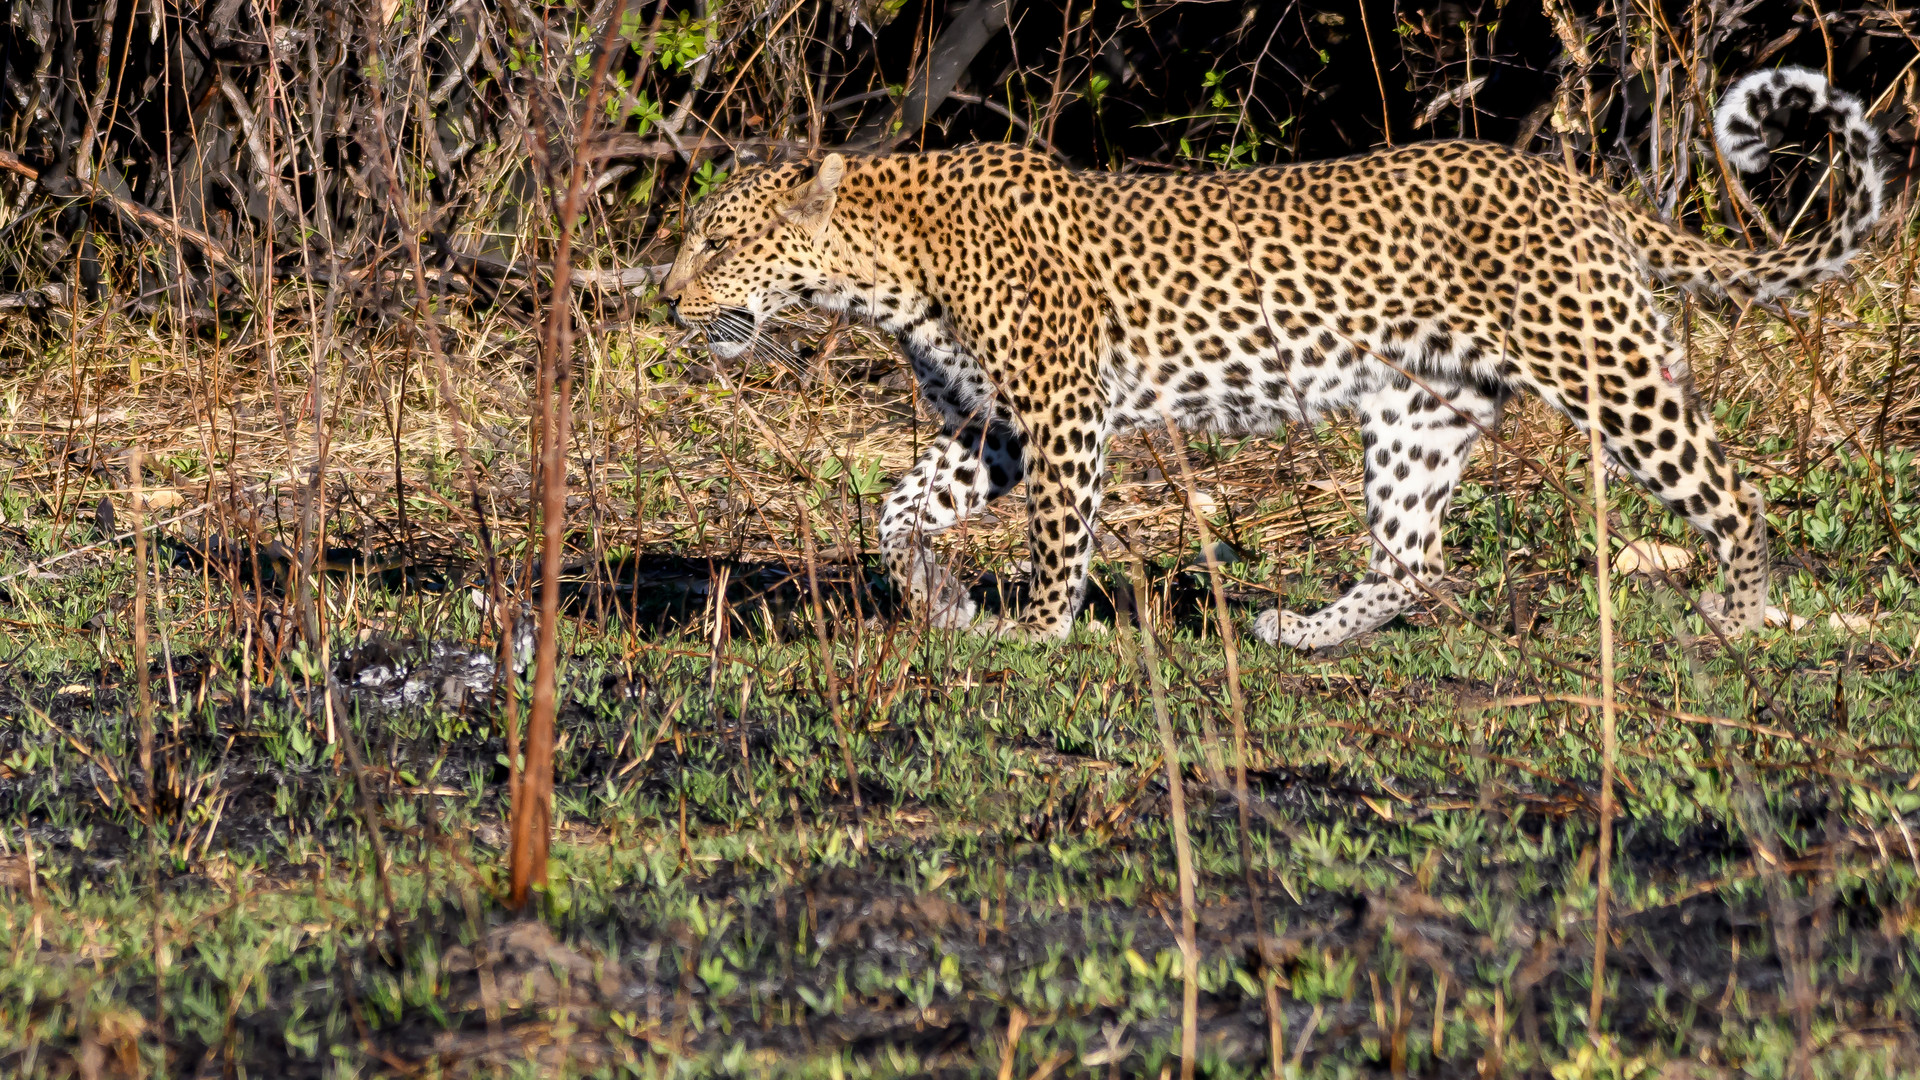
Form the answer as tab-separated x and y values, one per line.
1064	471
1041	337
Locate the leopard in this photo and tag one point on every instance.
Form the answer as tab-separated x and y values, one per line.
1044	310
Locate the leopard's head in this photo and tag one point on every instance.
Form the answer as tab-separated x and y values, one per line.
751	248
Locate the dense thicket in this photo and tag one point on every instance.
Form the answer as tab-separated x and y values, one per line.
165	151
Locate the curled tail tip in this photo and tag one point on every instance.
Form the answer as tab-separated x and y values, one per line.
1751	120
1757	95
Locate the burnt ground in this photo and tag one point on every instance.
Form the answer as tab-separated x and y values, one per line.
718	899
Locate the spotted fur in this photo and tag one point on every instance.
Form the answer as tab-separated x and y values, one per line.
1044	310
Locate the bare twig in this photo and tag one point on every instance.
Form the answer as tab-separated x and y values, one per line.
1386	119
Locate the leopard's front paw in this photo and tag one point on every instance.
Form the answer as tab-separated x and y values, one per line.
952	612
1012	629
935	596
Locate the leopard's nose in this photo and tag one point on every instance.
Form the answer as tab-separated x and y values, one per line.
673	310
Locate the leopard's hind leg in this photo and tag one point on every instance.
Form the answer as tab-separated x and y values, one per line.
1417	440
1650	423
1652	427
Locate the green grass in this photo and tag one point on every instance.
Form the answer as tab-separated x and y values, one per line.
718	905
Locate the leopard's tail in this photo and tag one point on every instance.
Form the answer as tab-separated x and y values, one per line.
1853	185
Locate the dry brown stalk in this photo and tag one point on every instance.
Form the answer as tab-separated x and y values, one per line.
1016	1024
1603	587
828	674
1177	822
1209	736
140	628
533	800
1237	708
1307	1030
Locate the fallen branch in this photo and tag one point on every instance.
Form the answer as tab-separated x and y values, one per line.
620	144
631	277
953	53
68	187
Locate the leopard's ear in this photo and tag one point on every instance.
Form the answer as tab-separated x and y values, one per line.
814	207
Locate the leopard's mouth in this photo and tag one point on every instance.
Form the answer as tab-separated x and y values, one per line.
731	332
